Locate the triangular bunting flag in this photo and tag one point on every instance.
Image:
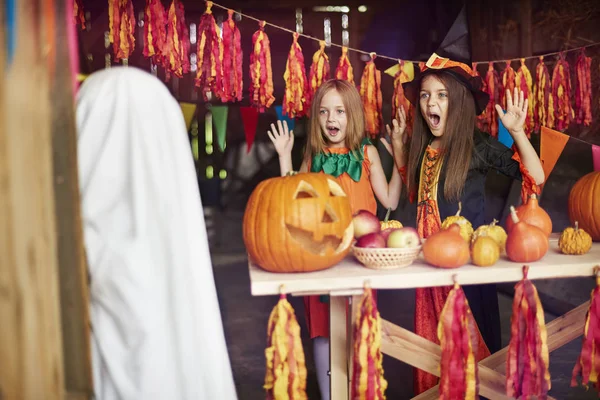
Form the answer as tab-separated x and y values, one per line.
220	119
250	121
552	144
188	110
596	157
291	122
504	136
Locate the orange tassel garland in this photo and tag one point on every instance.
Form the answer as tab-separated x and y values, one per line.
583	91
543	100
368	382
588	362
121	23
78	14
370	92
261	74
458	335
508	83
295	101
285	376
175	54
232	61
400	100
527	361
561	94
492	86
319	69
481	120
209	78
524	82
344	69
155	30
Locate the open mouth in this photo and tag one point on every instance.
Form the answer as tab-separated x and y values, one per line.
332	130
434	119
306	239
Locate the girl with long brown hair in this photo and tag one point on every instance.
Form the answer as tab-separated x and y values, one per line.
336	145
448	160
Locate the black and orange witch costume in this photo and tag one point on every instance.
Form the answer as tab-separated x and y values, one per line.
453	59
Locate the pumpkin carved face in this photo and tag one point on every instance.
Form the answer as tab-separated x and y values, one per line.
298	223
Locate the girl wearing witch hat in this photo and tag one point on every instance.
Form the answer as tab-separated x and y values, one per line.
448	160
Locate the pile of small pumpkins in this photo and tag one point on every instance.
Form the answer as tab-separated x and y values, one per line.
525	240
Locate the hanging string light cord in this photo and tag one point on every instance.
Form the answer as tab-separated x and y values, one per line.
395	58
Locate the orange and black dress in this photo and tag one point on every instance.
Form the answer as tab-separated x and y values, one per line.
352	171
432	208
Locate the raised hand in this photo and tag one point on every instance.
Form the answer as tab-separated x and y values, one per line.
282	138
396	132
516	112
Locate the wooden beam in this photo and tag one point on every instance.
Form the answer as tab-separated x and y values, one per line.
71	256
30	334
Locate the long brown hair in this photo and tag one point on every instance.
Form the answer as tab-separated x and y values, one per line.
456	143
355	129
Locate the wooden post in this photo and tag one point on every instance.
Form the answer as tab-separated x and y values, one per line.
31	361
74	297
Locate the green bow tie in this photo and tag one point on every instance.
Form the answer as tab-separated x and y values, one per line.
336	164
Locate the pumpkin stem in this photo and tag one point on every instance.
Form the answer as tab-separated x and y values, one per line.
576	225
459	209
387	214
291	173
494	222
513	215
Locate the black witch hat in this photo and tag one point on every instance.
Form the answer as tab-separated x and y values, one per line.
453	57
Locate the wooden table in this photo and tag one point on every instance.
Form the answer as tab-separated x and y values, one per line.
345	282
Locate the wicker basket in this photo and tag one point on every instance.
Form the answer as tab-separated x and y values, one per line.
386	258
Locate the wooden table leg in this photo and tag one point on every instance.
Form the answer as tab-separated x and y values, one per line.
338	342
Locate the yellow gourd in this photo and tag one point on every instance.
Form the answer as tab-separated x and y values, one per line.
485	251
575	241
494	231
391	223
466	229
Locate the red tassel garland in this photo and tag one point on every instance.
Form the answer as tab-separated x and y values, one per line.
344	69
209	78
232	61
370	92
583	91
261	75
175	54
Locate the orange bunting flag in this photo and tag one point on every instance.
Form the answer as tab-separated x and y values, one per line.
121	25
527	361
458	335
508	83
78	14
285	376
492	86
175	52
295	98
583	91
261	74
155	30
319	69
399	100
588	362
370	92
344	69
209	77
561	94
552	144
543	100
481	120
233	84
524	82
368	382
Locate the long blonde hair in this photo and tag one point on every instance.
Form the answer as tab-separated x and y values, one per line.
355	130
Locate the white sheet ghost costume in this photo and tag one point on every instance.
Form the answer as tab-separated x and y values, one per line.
156	326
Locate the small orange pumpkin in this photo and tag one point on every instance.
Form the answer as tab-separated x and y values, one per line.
446	248
298	223
584	204
532	214
525	242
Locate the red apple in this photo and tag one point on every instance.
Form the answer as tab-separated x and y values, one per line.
404	238
365	223
386	232
373	240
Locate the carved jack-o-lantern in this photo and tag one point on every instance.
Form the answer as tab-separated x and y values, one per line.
298	223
